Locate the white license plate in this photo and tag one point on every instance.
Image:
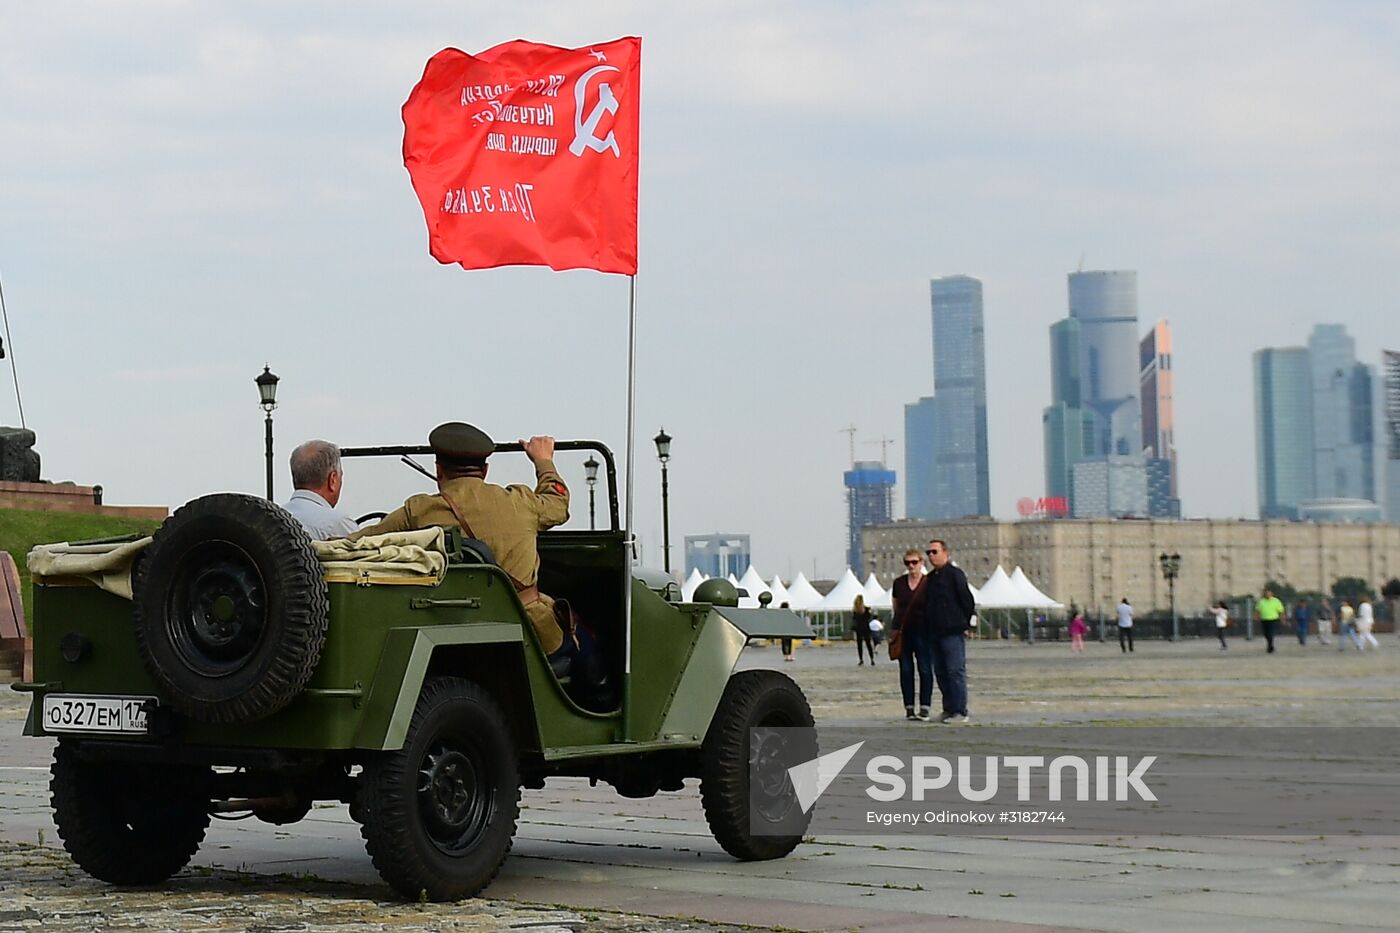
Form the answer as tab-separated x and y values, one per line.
76	713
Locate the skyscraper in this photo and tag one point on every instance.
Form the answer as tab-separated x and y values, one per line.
1068	428
869	500
1155	382
1105	305
946	462
1283	430
920	426
1344	411
1069	436
1391	362
1096	448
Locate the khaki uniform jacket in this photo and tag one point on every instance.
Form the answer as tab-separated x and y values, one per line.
507	518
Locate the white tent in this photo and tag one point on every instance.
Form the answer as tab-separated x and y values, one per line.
802	595
732	579
974	589
752	582
997	592
780	592
1030	596
843	596
875	595
691	582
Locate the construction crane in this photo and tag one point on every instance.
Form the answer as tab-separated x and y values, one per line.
885	444
850	432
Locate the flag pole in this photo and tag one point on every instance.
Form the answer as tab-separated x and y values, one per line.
630	537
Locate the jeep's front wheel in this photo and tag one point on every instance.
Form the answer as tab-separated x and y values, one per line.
762	727
439	814
127	823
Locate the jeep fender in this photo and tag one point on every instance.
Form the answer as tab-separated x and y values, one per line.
488	652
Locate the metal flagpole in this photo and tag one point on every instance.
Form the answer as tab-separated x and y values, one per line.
630	537
19	402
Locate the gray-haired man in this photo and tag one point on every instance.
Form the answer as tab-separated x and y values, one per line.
317	478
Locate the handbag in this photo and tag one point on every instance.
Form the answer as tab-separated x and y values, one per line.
896	643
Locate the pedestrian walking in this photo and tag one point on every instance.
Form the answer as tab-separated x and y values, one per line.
908	637
1346	627
948	613
1222	622
860	625
1302	614
1268	610
787	642
1324	623
1078	628
1365	621
1125	626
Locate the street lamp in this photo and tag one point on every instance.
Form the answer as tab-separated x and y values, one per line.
1171	569
267	392
663	453
591	467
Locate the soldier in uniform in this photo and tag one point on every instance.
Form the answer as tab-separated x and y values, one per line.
507	518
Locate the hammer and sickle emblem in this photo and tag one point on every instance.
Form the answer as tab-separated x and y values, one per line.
586	130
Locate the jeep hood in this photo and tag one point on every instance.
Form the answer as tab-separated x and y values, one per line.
766	623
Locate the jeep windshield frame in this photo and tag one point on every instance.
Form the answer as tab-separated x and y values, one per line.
609	464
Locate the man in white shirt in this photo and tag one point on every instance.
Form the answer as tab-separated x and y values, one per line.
317	478
1125	625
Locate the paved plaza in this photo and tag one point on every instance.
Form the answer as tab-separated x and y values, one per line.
585	858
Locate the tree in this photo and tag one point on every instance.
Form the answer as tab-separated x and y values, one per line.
1391	592
1283	591
1352	588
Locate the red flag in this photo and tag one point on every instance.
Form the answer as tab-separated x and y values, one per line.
527	155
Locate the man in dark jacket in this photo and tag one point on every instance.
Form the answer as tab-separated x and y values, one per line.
948	610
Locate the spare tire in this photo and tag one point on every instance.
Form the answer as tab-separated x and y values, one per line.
231	609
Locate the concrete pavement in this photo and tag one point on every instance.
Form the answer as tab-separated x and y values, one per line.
587	851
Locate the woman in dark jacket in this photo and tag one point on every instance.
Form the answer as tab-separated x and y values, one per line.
860	624
908	621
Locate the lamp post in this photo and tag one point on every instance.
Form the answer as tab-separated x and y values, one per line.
663	453
1171	569
267	392
591	467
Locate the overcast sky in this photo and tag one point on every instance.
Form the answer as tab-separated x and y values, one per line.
189	190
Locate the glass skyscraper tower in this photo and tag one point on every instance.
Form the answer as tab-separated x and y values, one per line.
1344	437
946	464
1391	362
1097	452
1283	430
1105	306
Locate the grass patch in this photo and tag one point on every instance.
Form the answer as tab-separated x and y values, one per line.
20	530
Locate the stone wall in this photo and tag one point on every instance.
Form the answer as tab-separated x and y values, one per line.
70	497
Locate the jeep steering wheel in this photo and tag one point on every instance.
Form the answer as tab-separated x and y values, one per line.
369	517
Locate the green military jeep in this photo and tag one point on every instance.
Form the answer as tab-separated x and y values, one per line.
237	669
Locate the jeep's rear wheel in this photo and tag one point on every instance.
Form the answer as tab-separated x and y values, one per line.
230	608
762	727
127	823
439	815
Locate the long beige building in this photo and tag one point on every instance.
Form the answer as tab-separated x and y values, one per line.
1094	563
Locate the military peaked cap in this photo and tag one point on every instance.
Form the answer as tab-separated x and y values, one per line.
459	442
